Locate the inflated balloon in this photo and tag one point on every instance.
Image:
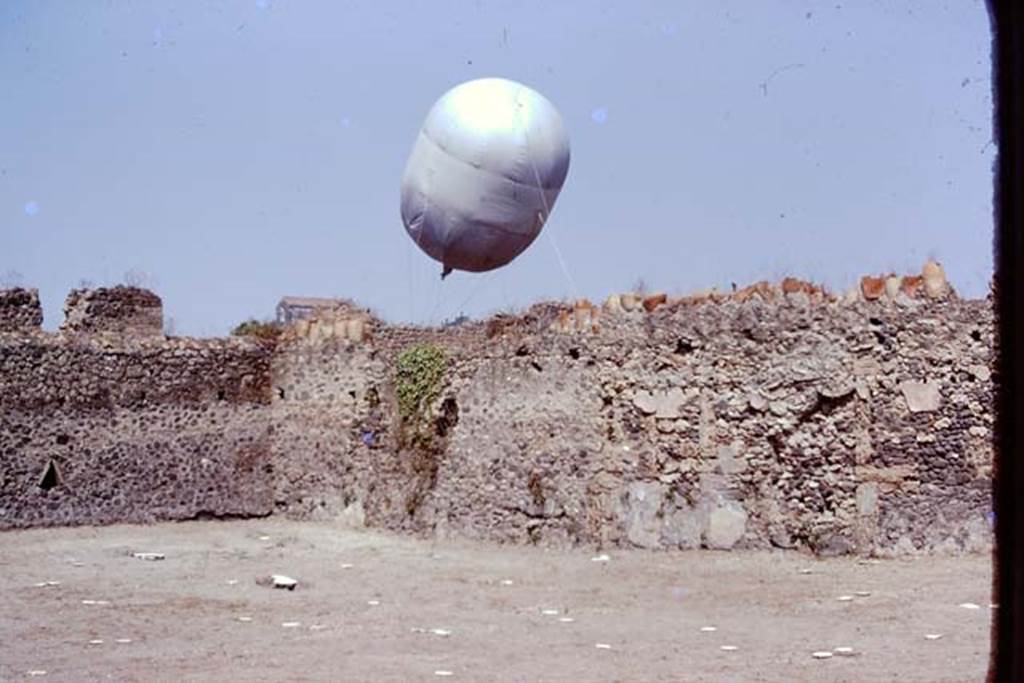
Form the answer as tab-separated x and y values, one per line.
484	174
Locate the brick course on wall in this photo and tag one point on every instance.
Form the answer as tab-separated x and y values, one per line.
773	417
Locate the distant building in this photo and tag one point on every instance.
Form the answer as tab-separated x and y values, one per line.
292	308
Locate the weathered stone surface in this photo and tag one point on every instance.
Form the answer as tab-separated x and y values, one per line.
652	301
642	504
934	276
630	302
833	545
123	311
729	460
867	498
872	288
20	310
921	397
726	525
892	286
661	404
683	528
980	372
613	304
911	285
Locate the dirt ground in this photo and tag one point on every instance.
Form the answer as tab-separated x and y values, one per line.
368	604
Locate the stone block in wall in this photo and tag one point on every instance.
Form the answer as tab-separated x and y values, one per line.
650	303
662	404
911	285
683	528
729	460
726	525
640	514
935	284
126	311
630	301
585	316
867	499
872	288
865	525
980	372
921	397
20	310
613	304
355	329
892	286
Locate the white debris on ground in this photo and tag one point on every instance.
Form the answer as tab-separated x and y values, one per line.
444	633
95	602
282	581
708	629
291	624
123	640
443	672
152	557
844	651
822	654
373	603
602	646
347	565
970	605
549	612
245	620
932	636
729	648
507	582
845	598
601	558
46	584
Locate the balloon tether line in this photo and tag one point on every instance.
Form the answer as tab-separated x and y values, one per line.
547	211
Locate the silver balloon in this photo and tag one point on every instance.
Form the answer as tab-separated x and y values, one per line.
484	174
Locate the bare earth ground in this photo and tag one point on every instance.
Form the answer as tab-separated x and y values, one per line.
185	616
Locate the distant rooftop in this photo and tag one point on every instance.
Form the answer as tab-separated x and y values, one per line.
292	308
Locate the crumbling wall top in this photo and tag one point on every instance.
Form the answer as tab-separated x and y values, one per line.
20	310
128	311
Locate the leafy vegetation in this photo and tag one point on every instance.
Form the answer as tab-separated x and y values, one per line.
419	379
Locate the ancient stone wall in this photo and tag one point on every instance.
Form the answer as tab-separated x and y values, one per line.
20	310
123	311
776	416
100	429
832	427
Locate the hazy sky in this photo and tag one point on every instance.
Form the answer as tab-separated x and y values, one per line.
237	151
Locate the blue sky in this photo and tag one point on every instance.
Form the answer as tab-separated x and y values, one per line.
228	153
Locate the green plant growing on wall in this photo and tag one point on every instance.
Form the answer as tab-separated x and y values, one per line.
419	378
